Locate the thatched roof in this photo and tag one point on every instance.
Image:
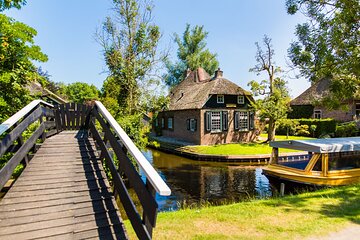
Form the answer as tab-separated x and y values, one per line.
35	88
314	93
194	91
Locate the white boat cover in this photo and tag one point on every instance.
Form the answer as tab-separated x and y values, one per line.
328	145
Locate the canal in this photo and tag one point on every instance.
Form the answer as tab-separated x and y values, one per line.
195	183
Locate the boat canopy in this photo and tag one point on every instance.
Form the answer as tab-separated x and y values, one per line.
328	145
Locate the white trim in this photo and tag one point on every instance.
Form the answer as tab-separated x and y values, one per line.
318	112
240	97
217	98
20	114
151	174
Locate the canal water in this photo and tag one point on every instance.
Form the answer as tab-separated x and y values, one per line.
195	183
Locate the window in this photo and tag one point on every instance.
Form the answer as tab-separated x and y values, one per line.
191	124
357	109
220	98
317	114
170	123
241	121
156	122
215	121
241	100
162	123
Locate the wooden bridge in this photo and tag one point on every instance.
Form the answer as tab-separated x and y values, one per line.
63	191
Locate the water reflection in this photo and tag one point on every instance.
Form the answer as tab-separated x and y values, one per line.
193	182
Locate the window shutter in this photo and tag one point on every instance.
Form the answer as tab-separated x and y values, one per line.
195	124
236	120
188	124
225	120
251	120
208	121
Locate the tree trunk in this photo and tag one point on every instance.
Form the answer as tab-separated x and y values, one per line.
271	130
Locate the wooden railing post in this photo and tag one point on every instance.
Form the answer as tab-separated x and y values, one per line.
146	220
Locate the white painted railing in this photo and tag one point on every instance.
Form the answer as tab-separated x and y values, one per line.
151	174
20	114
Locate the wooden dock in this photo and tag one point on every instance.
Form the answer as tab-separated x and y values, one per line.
62	194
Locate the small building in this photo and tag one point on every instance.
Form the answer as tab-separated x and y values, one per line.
207	110
36	89
307	104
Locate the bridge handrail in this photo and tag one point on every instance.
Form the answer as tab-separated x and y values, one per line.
20	114
157	182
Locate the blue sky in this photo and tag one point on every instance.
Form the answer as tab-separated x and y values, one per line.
66	34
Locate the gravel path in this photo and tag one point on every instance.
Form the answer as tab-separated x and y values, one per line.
350	232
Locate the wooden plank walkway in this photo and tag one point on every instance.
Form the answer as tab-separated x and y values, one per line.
62	194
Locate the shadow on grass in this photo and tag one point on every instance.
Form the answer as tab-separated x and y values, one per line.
341	202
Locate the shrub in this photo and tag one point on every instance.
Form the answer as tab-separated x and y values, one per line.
302	130
314	127
346	130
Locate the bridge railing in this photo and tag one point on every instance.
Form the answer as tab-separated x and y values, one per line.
123	146
11	138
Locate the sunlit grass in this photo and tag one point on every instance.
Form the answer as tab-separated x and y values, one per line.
241	148
292	217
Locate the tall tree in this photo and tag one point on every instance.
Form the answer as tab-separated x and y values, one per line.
130	42
192	53
275	102
6	4
81	92
17	53
328	43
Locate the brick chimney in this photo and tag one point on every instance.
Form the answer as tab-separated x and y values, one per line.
218	73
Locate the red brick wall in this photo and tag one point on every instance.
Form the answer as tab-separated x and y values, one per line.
229	136
339	115
180	128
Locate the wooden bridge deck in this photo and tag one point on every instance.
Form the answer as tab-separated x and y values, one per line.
62	194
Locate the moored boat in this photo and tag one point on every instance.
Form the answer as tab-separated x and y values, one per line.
329	162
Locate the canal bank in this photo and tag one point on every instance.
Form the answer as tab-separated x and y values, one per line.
184	149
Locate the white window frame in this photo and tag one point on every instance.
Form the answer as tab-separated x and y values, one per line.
192	124
170	123
317	114
162	122
243	121
219	97
215	121
240	99
357	109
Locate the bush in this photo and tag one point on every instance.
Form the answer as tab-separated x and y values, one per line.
315	127
346	130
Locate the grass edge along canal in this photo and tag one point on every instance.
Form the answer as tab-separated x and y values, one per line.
311	214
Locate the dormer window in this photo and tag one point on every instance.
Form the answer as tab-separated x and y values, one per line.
220	99
241	99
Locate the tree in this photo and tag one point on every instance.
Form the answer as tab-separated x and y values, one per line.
192	53
328	44
275	102
17	53
80	92
130	43
6	4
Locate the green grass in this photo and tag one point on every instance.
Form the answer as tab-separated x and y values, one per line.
241	148
292	217
283	137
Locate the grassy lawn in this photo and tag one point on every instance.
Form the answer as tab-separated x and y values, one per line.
283	137
291	217
241	148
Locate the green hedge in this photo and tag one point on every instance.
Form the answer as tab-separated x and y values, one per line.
346	130
307	127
